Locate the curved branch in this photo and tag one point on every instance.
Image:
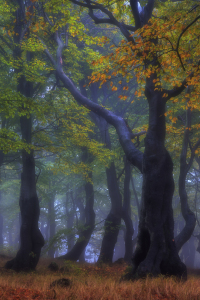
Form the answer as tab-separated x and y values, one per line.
179	38
178	90
188	215
132	153
110	20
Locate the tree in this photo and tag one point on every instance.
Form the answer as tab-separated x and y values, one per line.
156	250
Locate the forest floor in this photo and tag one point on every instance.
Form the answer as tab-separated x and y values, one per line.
92	282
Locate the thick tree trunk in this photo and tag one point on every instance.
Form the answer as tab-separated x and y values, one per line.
31	239
156	251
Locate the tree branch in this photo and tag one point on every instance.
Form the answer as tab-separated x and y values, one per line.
132	153
110	20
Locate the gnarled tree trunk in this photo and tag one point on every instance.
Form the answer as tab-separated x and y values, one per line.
31	239
156	252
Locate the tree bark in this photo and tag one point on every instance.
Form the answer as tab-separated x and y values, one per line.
126	213
188	215
156	251
70	222
85	234
113	220
189	250
79	202
52	224
31	239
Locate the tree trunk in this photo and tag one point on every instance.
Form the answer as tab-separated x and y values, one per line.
79	202
31	239
188	215
126	213
113	220
189	253
1	215
52	224
85	234
1	226
156	251
70	222
120	246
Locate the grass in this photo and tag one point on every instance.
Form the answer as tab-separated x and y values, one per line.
92	282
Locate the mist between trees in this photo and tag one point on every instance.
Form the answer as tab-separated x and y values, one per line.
100	155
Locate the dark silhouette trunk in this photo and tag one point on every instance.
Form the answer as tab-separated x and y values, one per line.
126	213
70	222
156	251
85	234
188	251
31	239
1	220
113	220
81	222
52	225
135	195
1	215
188	215
120	246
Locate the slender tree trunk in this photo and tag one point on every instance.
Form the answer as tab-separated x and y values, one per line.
79	202
1	215
113	220
126	213
85	234
135	195
1	222
120	246
70	222
188	215
52	224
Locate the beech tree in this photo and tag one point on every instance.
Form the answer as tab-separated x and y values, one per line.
157	47
156	251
